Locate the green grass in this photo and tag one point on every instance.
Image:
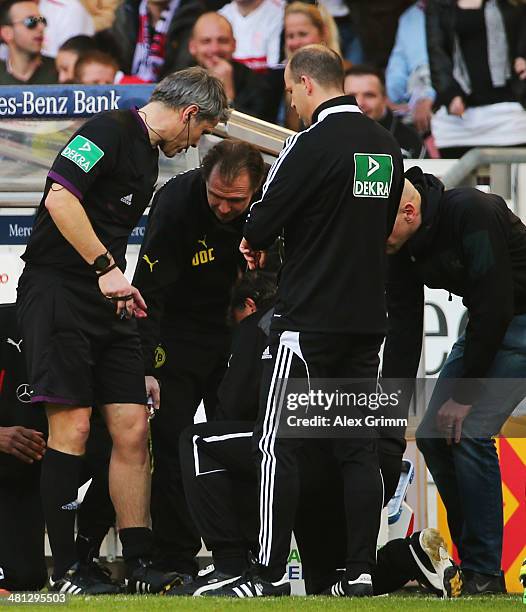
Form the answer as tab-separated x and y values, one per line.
304	604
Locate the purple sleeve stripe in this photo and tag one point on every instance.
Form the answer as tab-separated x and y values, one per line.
57	178
54	400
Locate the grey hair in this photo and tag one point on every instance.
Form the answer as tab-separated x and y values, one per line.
194	86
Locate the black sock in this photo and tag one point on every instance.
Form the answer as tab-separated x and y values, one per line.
88	546
59	482
270	574
137	542
84	549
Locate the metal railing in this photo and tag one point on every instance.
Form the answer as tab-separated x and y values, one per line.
27	155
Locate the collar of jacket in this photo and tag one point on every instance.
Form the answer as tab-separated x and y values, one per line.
431	190
347	104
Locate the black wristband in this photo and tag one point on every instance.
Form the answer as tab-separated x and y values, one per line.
108	269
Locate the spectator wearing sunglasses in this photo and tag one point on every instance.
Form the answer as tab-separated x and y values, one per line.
22	29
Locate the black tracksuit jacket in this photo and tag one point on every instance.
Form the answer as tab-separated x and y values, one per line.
333	276
472	245
238	393
187	266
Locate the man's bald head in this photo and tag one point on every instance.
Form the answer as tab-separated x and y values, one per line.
408	218
212	37
207	20
409	194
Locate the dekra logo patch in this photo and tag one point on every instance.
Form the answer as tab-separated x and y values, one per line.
83	152
373	173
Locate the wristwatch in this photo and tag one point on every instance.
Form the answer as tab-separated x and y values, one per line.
102	262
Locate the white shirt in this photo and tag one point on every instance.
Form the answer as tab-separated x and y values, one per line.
258	34
65	19
337	8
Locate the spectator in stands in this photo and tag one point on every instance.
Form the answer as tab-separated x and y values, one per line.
212	45
350	42
22	28
477	54
367	85
153	36
376	23
306	24
66	18
407	76
99	68
257	26
102	11
69	53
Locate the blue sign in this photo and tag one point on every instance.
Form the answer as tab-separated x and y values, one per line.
16	229
67	101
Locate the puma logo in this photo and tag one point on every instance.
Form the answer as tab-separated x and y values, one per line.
203	242
150	263
15	344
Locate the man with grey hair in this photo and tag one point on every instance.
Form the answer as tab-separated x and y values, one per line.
77	313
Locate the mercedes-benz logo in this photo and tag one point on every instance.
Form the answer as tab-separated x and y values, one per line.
24	393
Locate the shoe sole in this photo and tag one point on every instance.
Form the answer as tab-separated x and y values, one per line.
435	547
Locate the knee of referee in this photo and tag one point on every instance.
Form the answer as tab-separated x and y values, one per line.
129	431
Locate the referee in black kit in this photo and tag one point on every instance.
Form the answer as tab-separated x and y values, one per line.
334	190
76	311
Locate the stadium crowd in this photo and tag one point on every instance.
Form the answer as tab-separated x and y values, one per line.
427	80
246	278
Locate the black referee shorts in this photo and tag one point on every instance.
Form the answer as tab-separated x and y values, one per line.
78	351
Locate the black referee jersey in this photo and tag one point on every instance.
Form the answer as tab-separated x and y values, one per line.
110	166
188	264
334	190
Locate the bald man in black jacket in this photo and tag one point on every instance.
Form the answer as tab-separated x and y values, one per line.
472	245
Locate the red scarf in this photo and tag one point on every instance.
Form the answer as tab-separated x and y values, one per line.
150	51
